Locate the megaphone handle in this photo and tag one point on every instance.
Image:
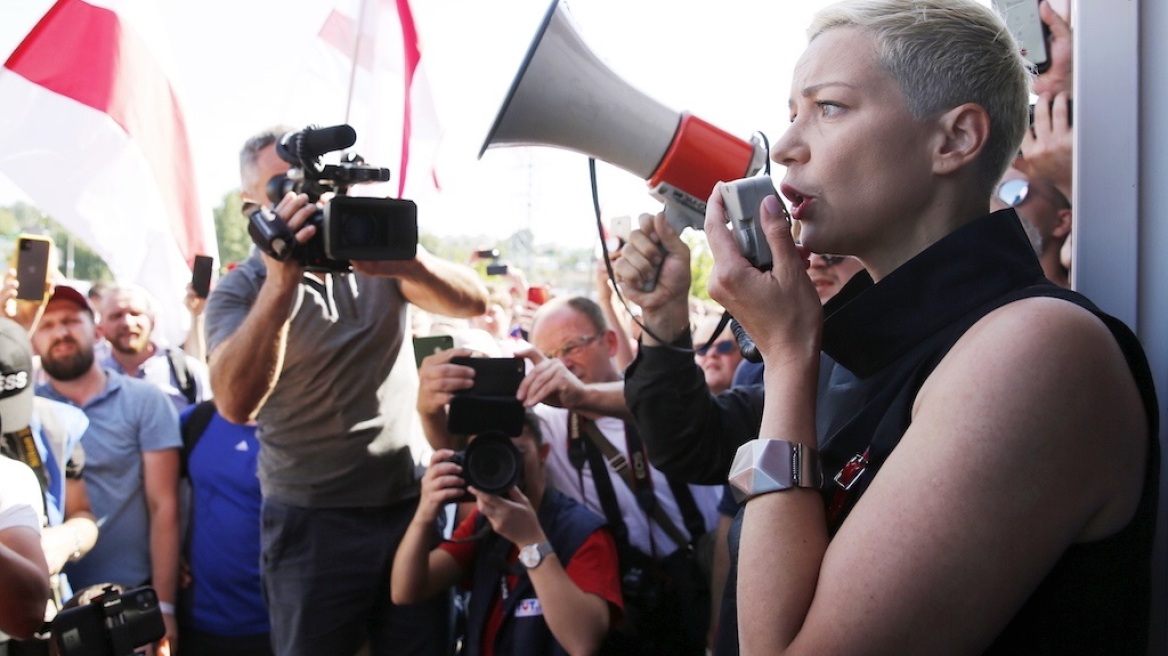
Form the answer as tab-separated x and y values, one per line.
681	216
651	284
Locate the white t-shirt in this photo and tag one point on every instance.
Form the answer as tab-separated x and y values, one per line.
21	500
648	538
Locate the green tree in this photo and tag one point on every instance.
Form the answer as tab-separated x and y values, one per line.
701	260
9	224
86	263
231	231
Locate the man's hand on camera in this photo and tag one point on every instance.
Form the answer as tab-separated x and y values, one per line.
295	210
511	517
438	379
549	381
441	484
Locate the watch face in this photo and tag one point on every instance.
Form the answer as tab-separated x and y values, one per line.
530	556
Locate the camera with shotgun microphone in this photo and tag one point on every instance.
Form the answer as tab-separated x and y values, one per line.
348	227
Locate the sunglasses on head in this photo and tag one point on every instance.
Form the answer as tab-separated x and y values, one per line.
721	348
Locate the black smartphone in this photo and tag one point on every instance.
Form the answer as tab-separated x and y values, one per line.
127	619
429	345
493	376
472	415
32	266
1022	17
201	275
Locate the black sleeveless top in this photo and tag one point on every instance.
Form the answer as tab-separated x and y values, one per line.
891	335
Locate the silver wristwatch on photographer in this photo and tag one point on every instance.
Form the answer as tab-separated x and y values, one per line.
533	554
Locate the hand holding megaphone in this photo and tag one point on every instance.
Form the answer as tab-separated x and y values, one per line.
653	272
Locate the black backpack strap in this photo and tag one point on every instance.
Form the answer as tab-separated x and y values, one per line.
182	373
193	429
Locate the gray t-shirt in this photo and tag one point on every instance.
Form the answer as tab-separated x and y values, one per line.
128	418
334	432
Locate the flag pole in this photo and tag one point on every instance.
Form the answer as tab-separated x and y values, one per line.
353	62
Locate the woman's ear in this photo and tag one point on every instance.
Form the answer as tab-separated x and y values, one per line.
962	133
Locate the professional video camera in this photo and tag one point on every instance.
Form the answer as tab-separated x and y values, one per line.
348	228
114	623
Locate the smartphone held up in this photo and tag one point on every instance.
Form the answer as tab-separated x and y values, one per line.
201	275
32	266
1025	23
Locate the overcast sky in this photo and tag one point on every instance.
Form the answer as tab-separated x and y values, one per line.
236	65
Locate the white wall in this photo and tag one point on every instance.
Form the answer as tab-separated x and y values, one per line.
1121	197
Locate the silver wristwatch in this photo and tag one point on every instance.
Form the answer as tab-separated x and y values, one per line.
765	465
533	554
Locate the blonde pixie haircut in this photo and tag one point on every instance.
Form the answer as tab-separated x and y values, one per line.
944	53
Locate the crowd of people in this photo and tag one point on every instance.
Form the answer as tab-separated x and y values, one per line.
942	448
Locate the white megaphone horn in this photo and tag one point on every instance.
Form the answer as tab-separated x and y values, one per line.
564	96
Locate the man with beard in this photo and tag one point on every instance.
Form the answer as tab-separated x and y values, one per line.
131	454
128	319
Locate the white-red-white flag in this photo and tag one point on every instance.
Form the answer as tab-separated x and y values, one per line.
91	129
365	69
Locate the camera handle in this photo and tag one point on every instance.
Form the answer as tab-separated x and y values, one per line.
271	234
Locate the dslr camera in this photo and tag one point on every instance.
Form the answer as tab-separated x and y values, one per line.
489	409
490	463
348	228
113	624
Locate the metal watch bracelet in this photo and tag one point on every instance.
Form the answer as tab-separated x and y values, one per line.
762	466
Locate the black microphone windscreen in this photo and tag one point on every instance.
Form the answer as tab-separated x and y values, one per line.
318	141
308	144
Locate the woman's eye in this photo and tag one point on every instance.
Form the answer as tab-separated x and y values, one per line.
828	108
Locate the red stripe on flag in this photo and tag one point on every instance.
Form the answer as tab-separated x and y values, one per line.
412	56
85	53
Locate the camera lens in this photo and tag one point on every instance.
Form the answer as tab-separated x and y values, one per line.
359	230
493	464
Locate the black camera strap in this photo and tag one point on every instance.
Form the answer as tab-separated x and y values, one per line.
636	476
581	451
695	524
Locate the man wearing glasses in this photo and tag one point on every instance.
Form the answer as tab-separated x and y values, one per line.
1047	210
657	521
